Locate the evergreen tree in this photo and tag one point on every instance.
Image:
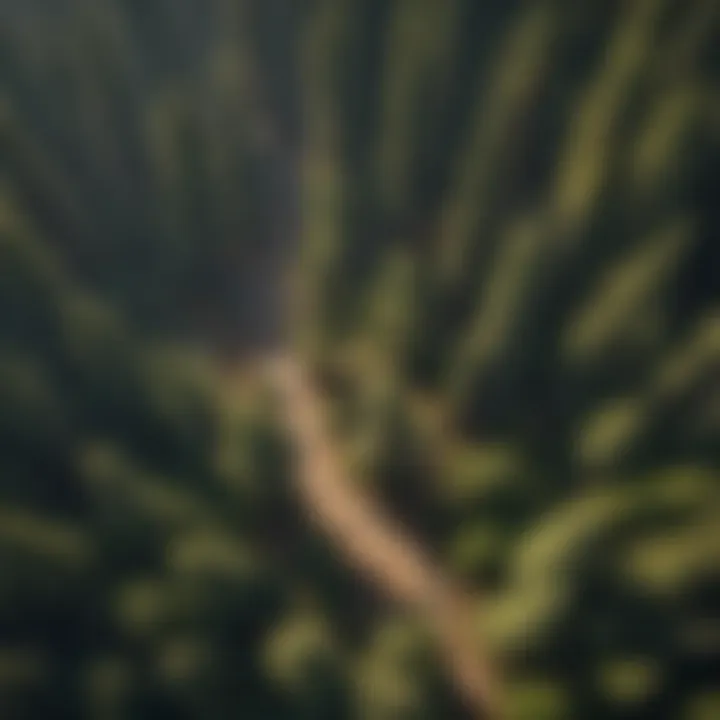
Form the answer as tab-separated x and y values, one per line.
498	221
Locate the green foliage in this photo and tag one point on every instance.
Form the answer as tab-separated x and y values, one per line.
506	225
395	678
538	699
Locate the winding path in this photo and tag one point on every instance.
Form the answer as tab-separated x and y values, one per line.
376	546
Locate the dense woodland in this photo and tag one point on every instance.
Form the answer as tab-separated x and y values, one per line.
490	228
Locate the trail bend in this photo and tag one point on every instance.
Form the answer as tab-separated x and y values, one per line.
372	543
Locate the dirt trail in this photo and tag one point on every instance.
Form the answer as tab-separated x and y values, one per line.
376	546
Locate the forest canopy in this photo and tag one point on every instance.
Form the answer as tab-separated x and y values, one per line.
489	228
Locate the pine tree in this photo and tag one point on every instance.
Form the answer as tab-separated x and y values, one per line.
504	223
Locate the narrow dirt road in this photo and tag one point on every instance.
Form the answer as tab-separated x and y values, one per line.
376	546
